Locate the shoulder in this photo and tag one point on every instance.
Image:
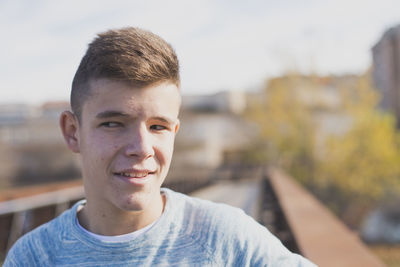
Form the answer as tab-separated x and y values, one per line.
216	226
204	212
231	235
34	248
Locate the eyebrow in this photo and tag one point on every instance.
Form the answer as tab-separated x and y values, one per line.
113	113
164	119
110	114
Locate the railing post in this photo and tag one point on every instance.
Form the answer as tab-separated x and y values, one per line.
17	226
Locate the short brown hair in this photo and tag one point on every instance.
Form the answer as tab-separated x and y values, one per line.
131	55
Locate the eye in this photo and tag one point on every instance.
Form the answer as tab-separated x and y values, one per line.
111	124
157	127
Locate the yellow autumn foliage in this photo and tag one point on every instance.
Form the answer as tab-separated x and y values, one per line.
364	161
286	128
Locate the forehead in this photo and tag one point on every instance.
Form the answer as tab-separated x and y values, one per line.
108	95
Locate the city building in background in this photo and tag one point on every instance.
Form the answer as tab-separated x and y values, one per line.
32	148
386	70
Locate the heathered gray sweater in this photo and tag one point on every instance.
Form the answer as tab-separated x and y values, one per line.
190	232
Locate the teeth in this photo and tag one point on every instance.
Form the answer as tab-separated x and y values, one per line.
134	175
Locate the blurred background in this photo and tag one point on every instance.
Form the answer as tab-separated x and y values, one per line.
309	87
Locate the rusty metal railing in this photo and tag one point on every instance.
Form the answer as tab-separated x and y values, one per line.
21	215
319	235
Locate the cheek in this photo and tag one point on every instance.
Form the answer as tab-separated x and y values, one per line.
165	150
100	149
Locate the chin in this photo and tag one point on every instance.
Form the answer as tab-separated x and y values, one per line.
136	202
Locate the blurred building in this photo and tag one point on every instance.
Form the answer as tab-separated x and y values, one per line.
386	69
14	114
32	146
25	124
223	102
210	126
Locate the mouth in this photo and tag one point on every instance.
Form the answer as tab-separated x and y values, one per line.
135	176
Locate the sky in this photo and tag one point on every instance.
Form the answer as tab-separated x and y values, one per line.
221	44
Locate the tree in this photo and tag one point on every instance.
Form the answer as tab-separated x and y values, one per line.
366	160
348	171
287	131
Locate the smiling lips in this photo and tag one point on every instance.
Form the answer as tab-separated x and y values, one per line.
134	175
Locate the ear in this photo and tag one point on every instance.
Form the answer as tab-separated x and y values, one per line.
178	123
69	125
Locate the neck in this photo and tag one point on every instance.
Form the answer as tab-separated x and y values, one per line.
113	221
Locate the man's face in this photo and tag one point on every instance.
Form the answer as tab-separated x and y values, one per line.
125	139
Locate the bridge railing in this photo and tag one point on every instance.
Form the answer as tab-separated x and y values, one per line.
320	236
21	215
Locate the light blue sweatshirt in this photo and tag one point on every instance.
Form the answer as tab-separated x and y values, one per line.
190	232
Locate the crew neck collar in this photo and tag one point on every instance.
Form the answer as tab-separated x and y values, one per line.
163	223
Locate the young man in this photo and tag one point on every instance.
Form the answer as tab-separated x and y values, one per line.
125	102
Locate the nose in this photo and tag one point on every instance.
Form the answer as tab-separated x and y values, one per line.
139	143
